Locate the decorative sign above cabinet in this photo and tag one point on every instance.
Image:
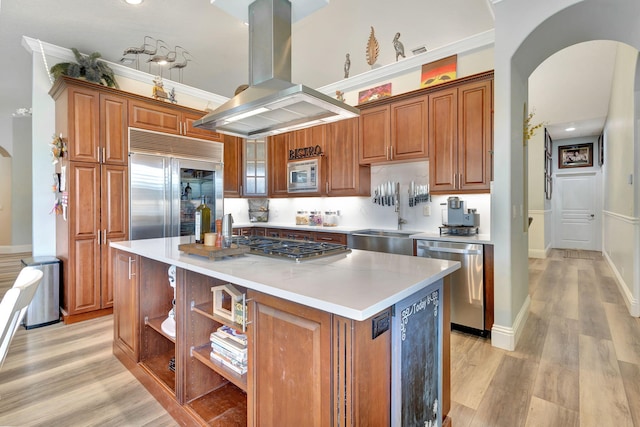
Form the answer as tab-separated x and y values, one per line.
305	153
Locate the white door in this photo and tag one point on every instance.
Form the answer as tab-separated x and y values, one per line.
577	211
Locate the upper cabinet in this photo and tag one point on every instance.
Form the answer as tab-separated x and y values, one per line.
461	138
396	131
277	154
345	176
99	131
232	166
153	115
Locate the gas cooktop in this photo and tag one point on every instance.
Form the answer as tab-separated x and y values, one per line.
297	250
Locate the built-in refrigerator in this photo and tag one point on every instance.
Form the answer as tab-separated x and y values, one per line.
169	176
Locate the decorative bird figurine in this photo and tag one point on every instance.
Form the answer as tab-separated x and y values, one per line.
347	66
398	46
180	65
138	50
372	48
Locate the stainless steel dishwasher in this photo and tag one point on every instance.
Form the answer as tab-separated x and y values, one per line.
467	283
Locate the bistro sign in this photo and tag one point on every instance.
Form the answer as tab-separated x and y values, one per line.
305	153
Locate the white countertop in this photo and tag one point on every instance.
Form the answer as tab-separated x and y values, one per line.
355	285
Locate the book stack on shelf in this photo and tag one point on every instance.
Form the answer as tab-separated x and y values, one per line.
229	347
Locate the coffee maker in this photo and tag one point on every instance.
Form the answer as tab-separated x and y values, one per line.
458	216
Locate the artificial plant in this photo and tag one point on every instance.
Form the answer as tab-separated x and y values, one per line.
88	67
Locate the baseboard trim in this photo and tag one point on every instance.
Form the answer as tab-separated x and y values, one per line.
537	253
633	305
505	337
15	249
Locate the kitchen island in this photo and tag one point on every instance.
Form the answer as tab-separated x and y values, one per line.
324	346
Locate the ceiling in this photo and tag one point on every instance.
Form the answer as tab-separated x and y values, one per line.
218	44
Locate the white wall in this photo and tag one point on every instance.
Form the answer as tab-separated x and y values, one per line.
361	212
621	222
21	197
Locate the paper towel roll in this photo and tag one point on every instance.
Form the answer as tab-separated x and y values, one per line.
209	239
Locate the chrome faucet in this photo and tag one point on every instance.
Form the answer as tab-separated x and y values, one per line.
401	221
397	206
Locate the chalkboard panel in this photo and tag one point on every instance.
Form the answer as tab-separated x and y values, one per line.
417	359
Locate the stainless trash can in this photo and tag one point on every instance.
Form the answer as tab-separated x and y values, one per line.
44	309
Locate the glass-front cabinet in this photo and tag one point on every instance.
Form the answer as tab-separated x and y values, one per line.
255	167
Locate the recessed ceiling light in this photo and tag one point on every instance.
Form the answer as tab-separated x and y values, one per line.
133	1
570	129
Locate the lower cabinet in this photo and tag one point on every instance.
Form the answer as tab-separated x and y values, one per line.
285	388
306	367
297	234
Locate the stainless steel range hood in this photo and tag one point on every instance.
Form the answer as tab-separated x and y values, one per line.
272	104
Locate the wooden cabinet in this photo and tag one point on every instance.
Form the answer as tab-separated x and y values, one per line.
99	130
232	166
409	124
188	117
126	325
296	234
324	237
460	136
278	153
375	135
394	132
97	186
166	118
344	377
345	176
284	388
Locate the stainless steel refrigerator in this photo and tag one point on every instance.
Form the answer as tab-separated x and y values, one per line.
169	174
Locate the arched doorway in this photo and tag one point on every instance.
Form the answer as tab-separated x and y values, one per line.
527	34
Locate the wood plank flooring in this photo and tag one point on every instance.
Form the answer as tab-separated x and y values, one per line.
577	364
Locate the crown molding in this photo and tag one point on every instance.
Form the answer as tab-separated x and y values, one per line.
34	46
386	72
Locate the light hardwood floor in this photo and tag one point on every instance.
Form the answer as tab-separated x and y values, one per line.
577	364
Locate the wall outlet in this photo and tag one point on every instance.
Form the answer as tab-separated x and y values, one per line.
426	210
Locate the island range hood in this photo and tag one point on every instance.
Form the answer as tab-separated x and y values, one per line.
272	104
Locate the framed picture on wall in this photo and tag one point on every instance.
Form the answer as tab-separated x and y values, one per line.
601	149
575	156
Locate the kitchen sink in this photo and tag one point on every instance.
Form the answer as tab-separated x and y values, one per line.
389	241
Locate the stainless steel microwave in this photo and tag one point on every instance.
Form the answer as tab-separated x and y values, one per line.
303	176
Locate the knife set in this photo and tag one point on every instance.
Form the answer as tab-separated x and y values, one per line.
418	193
386	194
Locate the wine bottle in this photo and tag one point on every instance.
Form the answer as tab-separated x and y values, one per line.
203	220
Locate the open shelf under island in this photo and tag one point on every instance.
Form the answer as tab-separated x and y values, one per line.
350	339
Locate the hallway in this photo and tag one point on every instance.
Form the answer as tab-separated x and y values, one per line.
576	364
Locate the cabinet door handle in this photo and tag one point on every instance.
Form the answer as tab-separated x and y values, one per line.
326	187
99	236
104	154
104	237
131	273
391	149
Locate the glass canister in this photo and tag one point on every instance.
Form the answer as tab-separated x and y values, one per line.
315	218
330	219
302	218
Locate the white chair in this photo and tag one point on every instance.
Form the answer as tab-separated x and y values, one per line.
14	306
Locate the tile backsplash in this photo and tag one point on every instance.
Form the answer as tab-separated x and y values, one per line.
361	212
